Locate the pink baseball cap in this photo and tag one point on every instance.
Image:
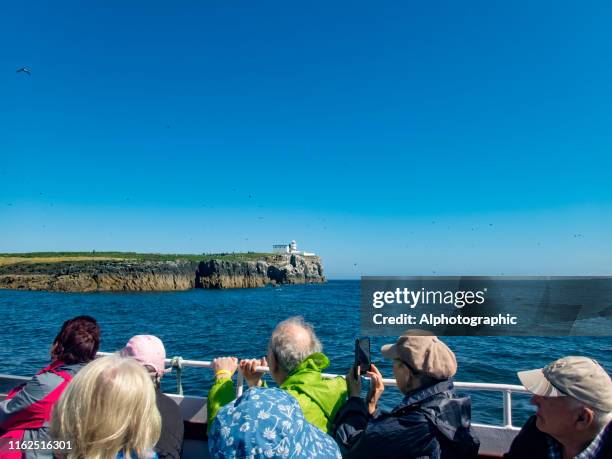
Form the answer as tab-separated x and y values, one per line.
148	350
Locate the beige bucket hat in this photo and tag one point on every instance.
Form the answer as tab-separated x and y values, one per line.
424	354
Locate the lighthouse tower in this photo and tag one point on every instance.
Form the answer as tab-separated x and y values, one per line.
290	248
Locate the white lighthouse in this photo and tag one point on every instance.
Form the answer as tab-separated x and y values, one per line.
290	248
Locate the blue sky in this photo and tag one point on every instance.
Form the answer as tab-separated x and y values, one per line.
396	139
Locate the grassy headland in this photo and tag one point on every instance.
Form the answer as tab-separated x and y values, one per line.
58	257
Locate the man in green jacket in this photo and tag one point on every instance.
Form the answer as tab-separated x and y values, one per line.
295	361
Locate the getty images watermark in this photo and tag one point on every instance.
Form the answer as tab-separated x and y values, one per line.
536	306
413	298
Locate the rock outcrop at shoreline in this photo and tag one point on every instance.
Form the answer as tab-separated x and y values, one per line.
92	276
133	275
284	269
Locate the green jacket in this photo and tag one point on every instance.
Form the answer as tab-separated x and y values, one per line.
319	398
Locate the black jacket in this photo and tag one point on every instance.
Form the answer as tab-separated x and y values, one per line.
429	423
170	444
531	442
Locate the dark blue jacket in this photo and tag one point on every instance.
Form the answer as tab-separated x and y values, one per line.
429	423
531	442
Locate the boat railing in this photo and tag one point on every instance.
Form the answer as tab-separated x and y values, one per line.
178	363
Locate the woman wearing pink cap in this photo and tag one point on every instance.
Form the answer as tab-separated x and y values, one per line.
150	352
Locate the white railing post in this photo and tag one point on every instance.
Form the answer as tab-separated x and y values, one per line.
507	408
239	383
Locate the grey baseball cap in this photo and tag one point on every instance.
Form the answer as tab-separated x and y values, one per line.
579	377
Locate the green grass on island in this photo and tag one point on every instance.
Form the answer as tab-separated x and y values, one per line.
55	257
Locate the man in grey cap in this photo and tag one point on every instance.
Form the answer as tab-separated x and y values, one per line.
574	400
430	422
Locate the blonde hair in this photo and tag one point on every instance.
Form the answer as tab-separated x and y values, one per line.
108	407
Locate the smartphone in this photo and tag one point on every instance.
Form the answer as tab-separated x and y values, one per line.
362	355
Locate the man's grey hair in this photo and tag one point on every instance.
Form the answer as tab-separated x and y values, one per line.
600	418
288	351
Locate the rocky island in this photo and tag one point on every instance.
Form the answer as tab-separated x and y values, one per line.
119	271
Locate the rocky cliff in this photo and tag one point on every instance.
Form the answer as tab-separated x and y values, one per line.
132	275
91	276
280	269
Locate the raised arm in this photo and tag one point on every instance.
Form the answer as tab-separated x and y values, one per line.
222	392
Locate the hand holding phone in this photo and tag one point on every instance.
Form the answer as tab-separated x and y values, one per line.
377	387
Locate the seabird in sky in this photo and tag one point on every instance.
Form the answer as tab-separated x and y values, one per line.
25	70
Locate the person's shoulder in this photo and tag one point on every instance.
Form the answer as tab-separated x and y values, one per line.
166	404
530	429
163	397
405	419
606	441
530	425
409	417
42	383
338	383
304	400
529	441
72	368
414	419
402	433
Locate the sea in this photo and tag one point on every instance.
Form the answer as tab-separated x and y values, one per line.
203	324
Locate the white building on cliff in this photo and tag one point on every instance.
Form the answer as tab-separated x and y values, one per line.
290	248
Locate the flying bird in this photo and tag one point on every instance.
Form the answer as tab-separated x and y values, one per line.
25	70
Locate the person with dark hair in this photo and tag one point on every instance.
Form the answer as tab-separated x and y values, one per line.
26	412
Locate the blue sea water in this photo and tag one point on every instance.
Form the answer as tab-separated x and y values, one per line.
203	324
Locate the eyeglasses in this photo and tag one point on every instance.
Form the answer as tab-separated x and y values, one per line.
407	365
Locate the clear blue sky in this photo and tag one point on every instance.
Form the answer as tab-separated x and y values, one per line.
402	138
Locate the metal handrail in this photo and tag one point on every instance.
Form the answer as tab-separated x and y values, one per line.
506	389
